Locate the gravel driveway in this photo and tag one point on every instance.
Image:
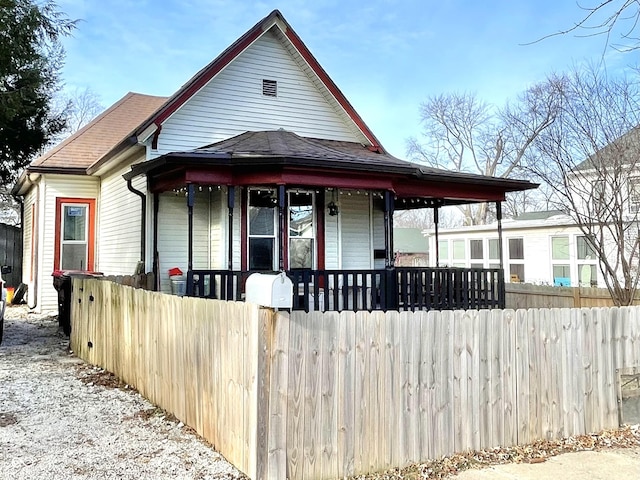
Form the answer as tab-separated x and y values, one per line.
62	419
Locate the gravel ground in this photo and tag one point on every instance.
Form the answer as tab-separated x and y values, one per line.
63	419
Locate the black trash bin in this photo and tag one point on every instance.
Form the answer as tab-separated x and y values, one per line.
63	285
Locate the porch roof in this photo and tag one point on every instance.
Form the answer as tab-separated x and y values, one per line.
281	157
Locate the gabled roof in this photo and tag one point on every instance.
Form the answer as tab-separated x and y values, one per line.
95	139
287	34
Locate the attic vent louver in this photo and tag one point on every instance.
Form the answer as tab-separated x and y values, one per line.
270	88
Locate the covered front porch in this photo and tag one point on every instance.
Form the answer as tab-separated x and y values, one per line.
320	210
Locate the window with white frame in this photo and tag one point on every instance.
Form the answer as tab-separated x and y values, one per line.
302	231
516	259
587	262
560	264
476	253
494	253
459	253
634	193
443	252
262	228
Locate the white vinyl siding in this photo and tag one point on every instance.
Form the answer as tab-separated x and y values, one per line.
218	228
53	187
120	224
331	233
173	234
377	209
232	103
356	231
28	240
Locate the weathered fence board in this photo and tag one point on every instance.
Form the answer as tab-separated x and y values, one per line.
328	395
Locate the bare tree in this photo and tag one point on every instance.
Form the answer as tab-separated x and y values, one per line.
592	163
80	107
616	20
423	218
464	134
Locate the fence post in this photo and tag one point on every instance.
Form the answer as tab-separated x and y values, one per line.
390	294
265	330
577	299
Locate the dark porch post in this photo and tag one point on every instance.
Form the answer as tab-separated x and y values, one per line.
388	228
231	200
436	210
190	201
499	217
281	224
156	254
390	296
501	278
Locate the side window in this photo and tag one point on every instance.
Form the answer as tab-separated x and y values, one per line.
75	234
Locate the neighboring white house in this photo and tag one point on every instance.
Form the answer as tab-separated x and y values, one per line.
543	248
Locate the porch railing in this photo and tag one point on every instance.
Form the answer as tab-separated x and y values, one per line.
401	288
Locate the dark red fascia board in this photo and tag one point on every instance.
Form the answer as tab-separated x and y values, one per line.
448	190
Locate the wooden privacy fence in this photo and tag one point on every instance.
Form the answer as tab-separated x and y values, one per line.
326	395
526	295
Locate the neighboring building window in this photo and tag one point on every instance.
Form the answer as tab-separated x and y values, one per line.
302	231
561	269
634	192
494	253
75	234
459	253
516	260
516	249
476	250
494	249
587	262
516	272
443	251
262	217
585	249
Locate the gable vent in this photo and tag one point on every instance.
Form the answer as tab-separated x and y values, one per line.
270	88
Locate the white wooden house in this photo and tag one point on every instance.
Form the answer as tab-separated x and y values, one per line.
259	162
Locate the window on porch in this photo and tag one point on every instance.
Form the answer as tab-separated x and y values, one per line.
302	230
262	219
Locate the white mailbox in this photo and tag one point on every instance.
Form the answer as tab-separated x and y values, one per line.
269	290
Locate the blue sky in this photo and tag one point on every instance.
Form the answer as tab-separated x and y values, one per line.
387	56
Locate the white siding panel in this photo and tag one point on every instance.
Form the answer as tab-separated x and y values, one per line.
232	103
356	231
237	231
331	235
173	234
218	228
120	224
27	240
55	186
378	229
